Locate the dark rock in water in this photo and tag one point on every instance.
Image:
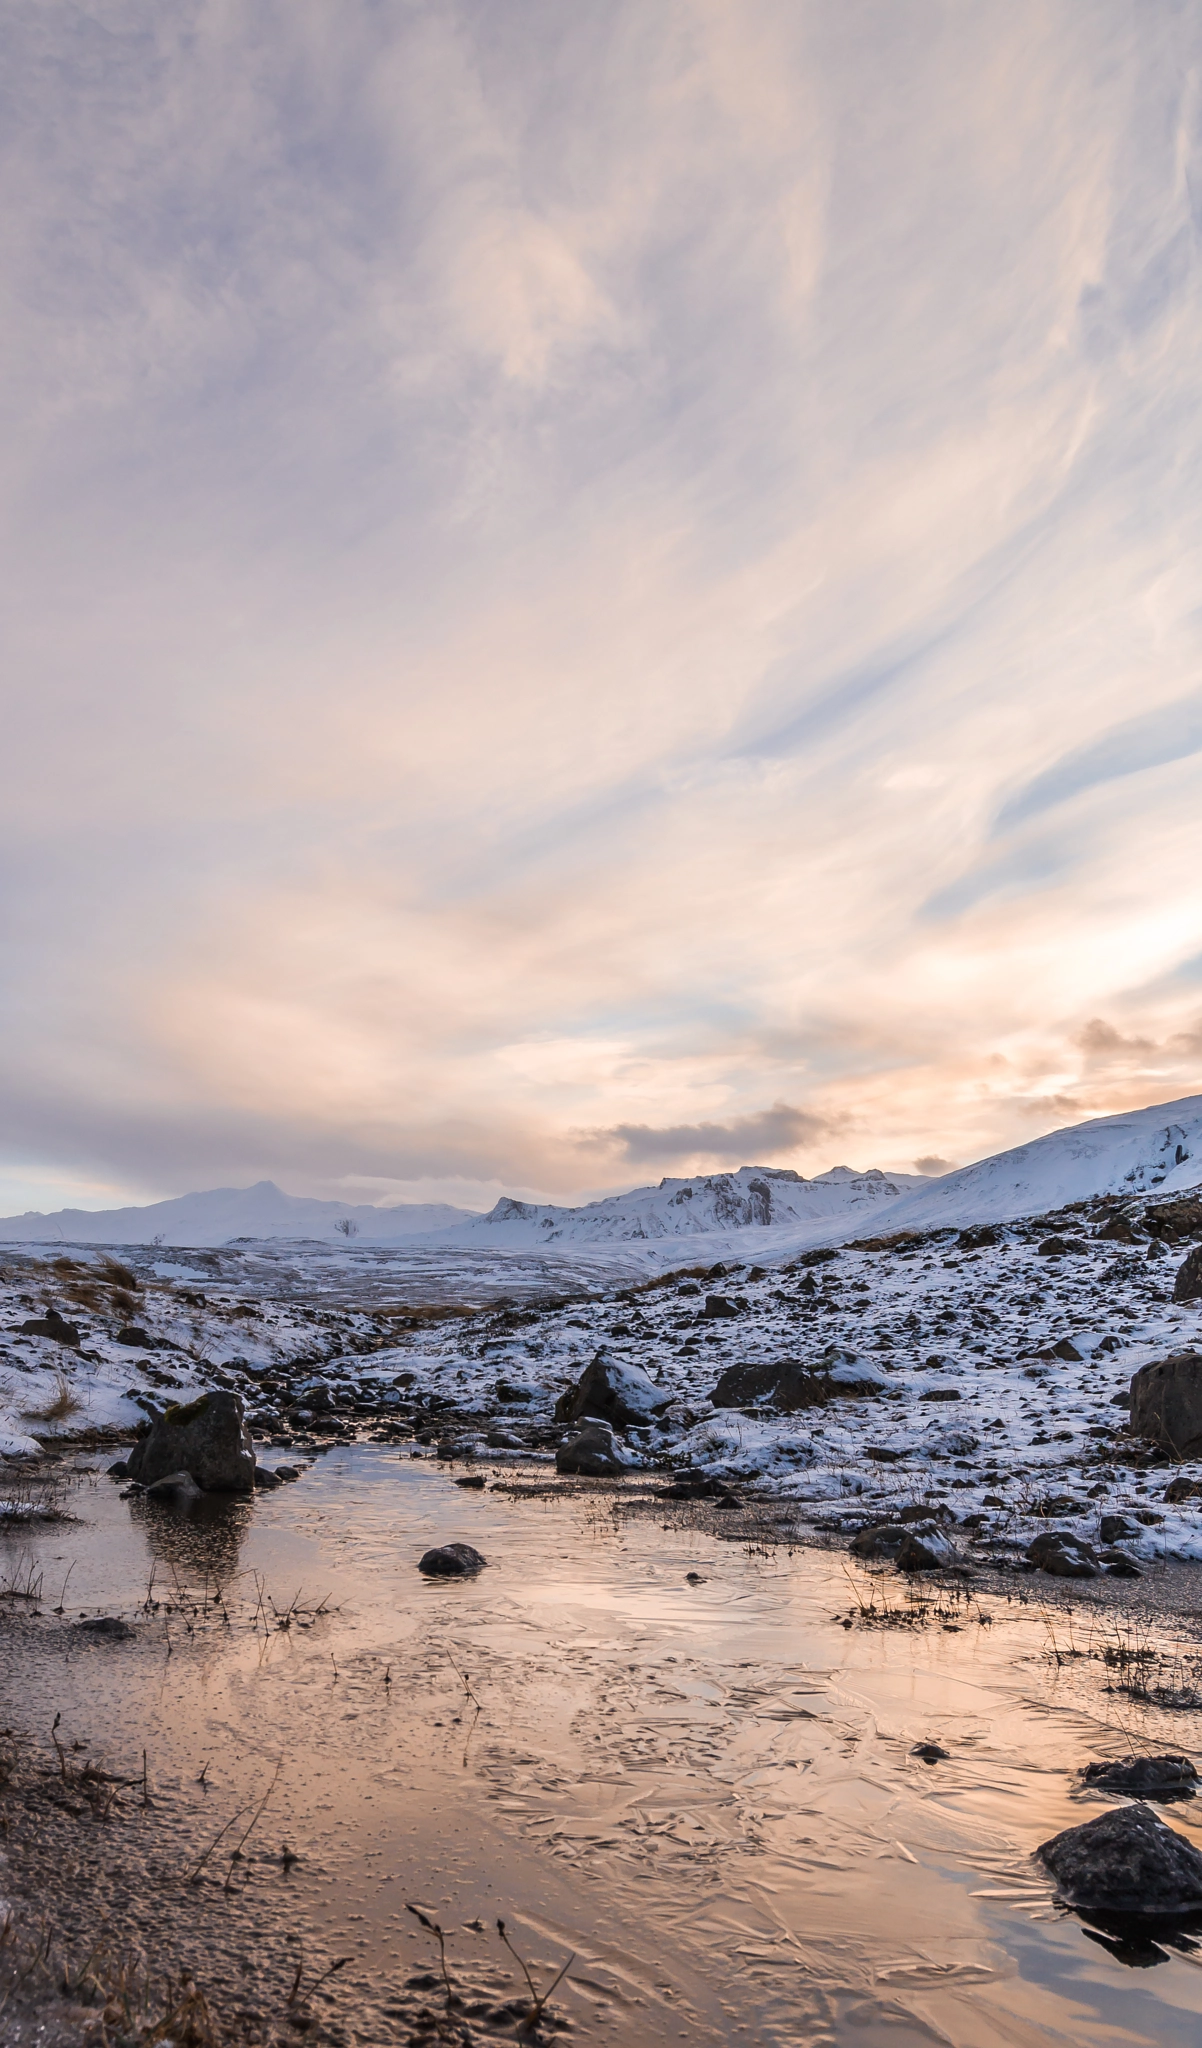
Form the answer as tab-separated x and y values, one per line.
451	1561
51	1325
109	1628
1144	1777
474	1481
1188	1284
691	1485
207	1437
1166	1404
1179	1489
1063	1555
610	1391
135	1339
288	1471
931	1753
1126	1862
266	1478
120	1470
178	1487
593	1454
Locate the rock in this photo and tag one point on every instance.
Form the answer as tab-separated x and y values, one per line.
1118	1230
266	1478
718	1306
451	1447
913	1547
503	1440
1117	1529
881	1539
692	1486
451	1561
1120	1566
178	1487
931	1753
610	1391
108	1628
592	1454
728	1501
135	1339
288	1471
1144	1777
1126	1862
207	1437
881	1454
1055	1505
926	1550
474	1481
119	1470
1056	1247
1066	1349
940	1394
789	1386
1063	1555
1182	1489
1188	1284
1166	1404
51	1325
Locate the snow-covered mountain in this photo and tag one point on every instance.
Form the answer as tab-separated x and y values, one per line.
222	1215
763	1197
1139	1152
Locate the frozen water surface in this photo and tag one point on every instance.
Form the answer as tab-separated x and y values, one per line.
703	1788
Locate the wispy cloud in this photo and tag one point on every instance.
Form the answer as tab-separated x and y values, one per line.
590	570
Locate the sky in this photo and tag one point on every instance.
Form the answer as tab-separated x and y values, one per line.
593	591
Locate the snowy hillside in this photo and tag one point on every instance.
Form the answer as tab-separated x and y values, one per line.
1141	1151
756	1197
224	1214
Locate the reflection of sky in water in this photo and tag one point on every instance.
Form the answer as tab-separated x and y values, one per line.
705	1789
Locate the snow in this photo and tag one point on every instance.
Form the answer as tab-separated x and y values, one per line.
222	1215
442	1336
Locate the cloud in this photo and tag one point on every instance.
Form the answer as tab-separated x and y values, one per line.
749	1140
545	546
931	1163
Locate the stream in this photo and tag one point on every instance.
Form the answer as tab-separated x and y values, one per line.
658	1751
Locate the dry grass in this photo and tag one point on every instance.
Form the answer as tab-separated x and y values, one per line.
63	1403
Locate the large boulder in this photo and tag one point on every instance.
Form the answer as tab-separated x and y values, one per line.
592	1454
1188	1284
789	1385
611	1391
51	1325
207	1438
1166	1404
1126	1862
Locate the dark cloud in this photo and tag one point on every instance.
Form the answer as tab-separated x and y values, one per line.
932	1164
744	1141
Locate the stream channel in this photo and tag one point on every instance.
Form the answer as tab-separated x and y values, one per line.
702	1786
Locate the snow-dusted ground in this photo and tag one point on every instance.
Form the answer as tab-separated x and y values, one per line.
977	1405
998	1364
